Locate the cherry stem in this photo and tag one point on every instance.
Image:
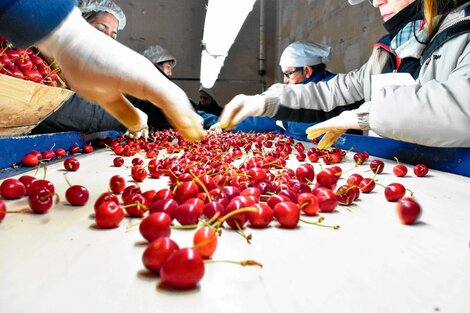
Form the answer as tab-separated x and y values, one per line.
242	263
242	210
318	223
242	233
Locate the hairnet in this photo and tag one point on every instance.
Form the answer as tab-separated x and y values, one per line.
210	92
107	6
353	2
304	53
157	54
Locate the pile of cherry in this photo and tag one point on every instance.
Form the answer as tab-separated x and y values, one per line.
228	180
26	64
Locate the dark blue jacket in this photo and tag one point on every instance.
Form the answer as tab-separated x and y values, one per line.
25	22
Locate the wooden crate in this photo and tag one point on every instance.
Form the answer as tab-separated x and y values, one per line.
24	104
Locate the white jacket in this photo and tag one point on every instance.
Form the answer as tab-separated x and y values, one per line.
434	112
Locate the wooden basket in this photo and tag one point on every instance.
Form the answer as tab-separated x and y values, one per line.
24	104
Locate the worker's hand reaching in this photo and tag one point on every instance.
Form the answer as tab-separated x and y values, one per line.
337	126
241	107
102	70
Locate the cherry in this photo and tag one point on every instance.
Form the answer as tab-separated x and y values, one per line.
130	190
155	225
394	192
287	213
12	188
308	203
40	200
305	172
138	173
117	183
313	157
327	178
327	201
87	148
167	206
108	215
420	170
30	160
256	174
60	153
74	149
408	210
163	194
71	164
213	207
157	252
275	199
48	155
187	214
27	180
183	269
136	205
354	179
77	195
106	196
300	156
347	194
205	241
262	217
367	185
186	190
3	210
377	166
399	170
118	161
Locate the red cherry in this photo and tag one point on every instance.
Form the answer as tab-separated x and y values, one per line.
186	190
308	203
327	178
106	196
400	170
77	195
305	172
205	241
420	170
327	201
377	166
275	199
187	214
408	210
287	213
136	205
262	217
138	173
40	200
74	149
71	164
30	160
12	188
155	225
60	153
117	183
167	206
3	210
354	179
157	252
394	192
87	149
367	185
256	174
118	161
108	215
27	180
48	155
130	190
183	269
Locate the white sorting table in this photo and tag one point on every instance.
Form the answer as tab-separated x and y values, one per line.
58	262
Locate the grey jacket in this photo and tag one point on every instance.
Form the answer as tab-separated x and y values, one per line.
434	112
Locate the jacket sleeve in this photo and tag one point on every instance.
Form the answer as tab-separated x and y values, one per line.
436	112
25	22
310	102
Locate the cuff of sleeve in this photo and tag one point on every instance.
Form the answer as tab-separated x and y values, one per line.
363	116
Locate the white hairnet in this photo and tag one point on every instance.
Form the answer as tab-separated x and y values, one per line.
353	2
302	53
157	54
107	6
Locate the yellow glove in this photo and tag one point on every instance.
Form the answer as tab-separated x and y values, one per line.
102	70
337	126
241	107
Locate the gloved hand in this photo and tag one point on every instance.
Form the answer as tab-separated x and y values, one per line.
216	128
102	70
241	107
337	126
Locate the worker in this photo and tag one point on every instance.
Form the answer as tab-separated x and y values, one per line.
427	101
161	58
95	66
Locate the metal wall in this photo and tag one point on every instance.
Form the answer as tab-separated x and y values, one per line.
178	26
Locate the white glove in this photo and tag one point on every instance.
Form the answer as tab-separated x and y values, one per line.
216	128
337	126
241	107
102	70
144	132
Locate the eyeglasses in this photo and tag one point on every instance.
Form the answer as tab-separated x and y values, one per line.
289	74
